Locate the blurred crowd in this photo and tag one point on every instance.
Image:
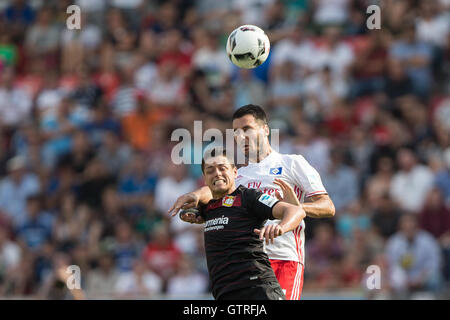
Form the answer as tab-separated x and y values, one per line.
86	117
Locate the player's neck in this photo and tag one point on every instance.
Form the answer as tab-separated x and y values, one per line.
261	155
218	195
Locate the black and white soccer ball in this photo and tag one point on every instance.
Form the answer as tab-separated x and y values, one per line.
248	46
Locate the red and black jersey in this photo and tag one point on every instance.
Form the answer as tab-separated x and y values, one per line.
235	255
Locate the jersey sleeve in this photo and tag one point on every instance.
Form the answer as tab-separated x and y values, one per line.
260	204
306	176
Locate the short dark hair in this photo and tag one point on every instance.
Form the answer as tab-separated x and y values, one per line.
213	153
256	111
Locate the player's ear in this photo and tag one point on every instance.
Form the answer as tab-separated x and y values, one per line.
266	130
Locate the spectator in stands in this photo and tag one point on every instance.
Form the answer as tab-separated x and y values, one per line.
443	178
325	89
10	254
137	184
167	90
414	259
340	181
323	251
88	93
102	280
42	38
174	178
285	91
397	82
138	283
137	124
161	255
248	89
186	281
9	52
385	216
15	189
58	130
295	47
378	184
354	218
370	65
333	52
312	146
212	58
100	123
125	99
417	57
15	103
331	12
432	25
412	183
19	14
113	153
435	216
36	229
125	247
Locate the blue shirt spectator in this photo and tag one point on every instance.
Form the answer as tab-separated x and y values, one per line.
20	12
417	57
137	184
353	219
37	227
15	189
414	258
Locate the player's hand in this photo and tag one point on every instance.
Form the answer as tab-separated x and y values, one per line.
186	201
269	232
289	195
191	216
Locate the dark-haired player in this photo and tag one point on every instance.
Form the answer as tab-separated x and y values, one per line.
234	232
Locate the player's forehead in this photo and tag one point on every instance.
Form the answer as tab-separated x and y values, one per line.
247	120
216	161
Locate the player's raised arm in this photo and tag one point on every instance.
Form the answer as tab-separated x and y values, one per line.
290	216
319	206
191	200
318	203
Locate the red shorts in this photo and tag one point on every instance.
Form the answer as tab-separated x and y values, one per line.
290	277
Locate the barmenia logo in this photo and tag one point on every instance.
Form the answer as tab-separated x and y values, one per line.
216	224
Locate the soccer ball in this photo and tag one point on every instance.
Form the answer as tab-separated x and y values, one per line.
248	46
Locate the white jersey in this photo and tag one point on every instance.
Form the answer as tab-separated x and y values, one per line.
306	182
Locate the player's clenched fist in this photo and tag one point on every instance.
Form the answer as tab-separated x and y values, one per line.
191	216
186	201
270	232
